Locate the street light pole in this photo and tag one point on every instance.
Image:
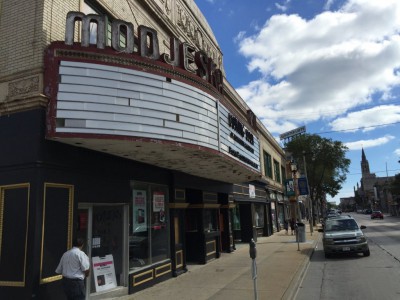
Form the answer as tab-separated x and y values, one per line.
293	167
310	208
293	210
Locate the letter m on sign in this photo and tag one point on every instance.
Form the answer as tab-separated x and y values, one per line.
86	20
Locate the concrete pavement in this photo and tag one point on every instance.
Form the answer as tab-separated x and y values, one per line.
280	267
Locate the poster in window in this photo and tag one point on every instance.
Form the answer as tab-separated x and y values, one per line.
158	201
83	220
252	191
139	211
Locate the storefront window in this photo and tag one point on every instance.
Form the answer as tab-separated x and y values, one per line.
210	220
236	218
148	230
259	215
273	216
281	214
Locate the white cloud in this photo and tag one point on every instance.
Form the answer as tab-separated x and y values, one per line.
369	143
239	36
284	6
367	119
397	151
280	7
320	68
328	4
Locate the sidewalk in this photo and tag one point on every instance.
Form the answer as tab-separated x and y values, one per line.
280	267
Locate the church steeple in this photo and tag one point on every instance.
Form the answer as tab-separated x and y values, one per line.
364	164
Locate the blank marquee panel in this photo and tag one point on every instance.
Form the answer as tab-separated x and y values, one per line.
100	99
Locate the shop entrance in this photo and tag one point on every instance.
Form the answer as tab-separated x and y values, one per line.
102	227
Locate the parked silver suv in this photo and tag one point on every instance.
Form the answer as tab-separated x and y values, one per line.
343	235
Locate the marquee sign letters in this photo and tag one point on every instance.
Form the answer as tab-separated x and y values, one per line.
181	55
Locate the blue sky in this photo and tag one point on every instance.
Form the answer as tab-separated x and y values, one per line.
331	65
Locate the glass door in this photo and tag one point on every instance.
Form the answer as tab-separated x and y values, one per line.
107	247
103	228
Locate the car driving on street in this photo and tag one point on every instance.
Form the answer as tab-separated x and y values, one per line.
343	235
377	214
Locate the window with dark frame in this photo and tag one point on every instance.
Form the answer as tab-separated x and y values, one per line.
283	175
277	171
267	165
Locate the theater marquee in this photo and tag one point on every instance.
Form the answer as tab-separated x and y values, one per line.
163	109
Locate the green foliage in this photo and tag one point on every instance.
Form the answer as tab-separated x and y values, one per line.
395	185
358	199
326	163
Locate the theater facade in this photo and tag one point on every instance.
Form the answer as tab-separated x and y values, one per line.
118	125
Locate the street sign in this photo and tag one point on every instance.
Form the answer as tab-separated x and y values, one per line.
293	133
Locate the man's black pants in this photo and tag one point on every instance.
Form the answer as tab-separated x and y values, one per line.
74	289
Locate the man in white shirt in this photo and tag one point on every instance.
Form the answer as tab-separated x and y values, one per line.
74	267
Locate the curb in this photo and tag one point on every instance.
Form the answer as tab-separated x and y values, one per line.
294	285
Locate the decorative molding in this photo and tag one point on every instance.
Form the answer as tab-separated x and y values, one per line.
25	86
142	277
167	6
195	34
18	105
180	195
179	259
162	270
23	93
70	188
2	212
178	205
22	74
205	205
229	206
213	247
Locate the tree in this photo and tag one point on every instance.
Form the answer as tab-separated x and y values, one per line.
326	164
358	199
395	185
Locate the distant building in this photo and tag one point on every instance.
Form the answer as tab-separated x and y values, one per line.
347	203
374	191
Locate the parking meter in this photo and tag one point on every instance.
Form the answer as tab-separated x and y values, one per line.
253	250
253	254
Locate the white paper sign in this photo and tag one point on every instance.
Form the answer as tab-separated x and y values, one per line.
158	201
252	191
104	273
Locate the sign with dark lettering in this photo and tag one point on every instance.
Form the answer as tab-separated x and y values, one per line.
236	125
237	140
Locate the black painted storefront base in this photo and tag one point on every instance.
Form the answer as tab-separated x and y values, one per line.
147	277
202	247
